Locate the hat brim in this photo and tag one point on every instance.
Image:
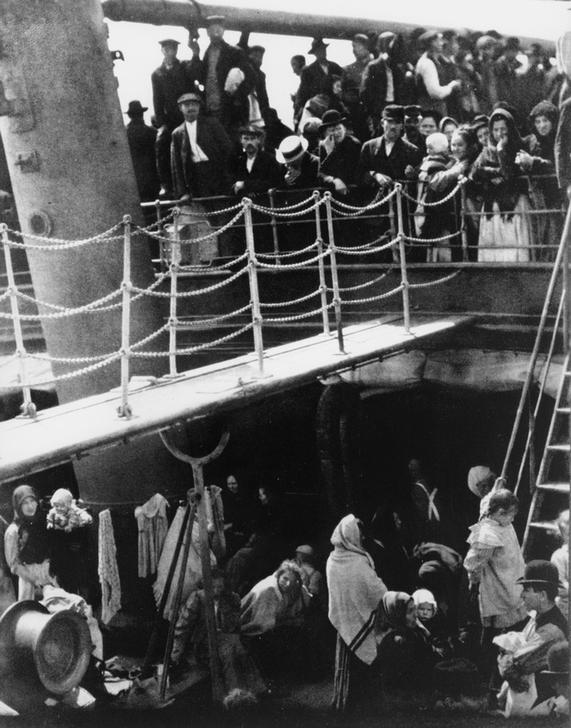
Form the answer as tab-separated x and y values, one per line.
524	581
323	126
555	673
282	160
311	51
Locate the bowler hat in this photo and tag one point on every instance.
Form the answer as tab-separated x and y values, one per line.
169	41
394	112
291	148
315	44
558	660
57	645
305	549
135	108
189	96
215	19
540	571
331	117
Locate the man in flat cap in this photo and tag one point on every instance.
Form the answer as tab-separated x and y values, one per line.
351	85
200	150
141	139
227	77
434	88
253	170
169	81
316	78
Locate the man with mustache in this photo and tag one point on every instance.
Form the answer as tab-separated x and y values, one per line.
253	170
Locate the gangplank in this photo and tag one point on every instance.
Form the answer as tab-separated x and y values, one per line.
69	431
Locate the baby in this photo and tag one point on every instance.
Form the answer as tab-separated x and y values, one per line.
65	514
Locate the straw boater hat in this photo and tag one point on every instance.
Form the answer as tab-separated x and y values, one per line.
291	148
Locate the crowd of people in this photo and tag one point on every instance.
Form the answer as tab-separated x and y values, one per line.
428	109
387	606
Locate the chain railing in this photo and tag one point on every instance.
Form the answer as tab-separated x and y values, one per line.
316	216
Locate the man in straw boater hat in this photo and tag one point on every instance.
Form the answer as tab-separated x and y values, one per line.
300	167
169	81
252	169
200	151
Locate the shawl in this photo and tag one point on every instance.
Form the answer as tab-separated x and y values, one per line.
264	606
392	610
152	527
32	536
108	569
476	475
355	590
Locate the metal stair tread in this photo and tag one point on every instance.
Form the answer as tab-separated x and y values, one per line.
563	410
559	447
561	487
544	525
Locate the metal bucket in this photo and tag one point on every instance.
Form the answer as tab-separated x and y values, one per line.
57	647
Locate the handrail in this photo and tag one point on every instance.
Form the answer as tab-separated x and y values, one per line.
557	266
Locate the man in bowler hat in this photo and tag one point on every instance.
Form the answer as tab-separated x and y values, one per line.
141	140
317	77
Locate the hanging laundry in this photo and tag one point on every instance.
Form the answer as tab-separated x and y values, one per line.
152	526
108	569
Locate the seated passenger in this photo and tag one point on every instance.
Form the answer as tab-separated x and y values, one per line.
431	620
311	579
338	153
253	170
560	557
299	166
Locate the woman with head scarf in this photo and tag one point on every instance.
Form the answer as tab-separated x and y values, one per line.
504	227
26	545
355	592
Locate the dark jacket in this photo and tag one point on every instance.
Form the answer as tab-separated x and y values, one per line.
374	87
212	178
265	173
235	107
315	81
341	162
373	158
308	177
170	83
141	140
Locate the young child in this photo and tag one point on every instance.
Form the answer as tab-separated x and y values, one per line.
431	621
494	562
65	514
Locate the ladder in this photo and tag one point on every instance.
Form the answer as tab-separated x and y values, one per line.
551	492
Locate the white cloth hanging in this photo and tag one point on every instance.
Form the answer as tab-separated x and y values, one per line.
152	526
108	569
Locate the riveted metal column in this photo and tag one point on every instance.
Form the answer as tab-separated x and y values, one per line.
322	282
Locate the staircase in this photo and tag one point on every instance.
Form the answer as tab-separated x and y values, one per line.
551	492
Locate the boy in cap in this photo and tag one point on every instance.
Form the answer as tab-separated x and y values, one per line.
169	81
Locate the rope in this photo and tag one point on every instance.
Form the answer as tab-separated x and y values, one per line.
364	285
213	319
436	282
293	301
374	298
364	246
192	349
298	316
57	244
429	241
284	208
64	312
360	210
158	223
449	196
291	254
301	264
201	238
274	211
369	251
210	267
189	294
69	375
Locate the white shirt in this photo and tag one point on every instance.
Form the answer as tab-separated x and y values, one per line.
250	162
197	154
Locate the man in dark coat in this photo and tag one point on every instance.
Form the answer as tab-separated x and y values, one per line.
141	139
169	81
226	96
253	170
317	77
338	153
300	167
256	57
389	157
200	149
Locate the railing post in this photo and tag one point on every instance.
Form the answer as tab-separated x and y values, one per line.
253	279
393	228
463	228
334	273
173	320
124	409
402	255
158	217
321	264
274	224
27	408
565	279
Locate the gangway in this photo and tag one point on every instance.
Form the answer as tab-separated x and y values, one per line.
61	433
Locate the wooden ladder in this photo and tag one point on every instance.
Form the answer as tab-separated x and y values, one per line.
551	492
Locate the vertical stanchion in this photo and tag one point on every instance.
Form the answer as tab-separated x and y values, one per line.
173	320
334	273
393	229
158	218
566	289
124	409
463	228
253	279
274	224
322	283
404	276
27	408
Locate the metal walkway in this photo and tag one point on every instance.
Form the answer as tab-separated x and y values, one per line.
61	433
